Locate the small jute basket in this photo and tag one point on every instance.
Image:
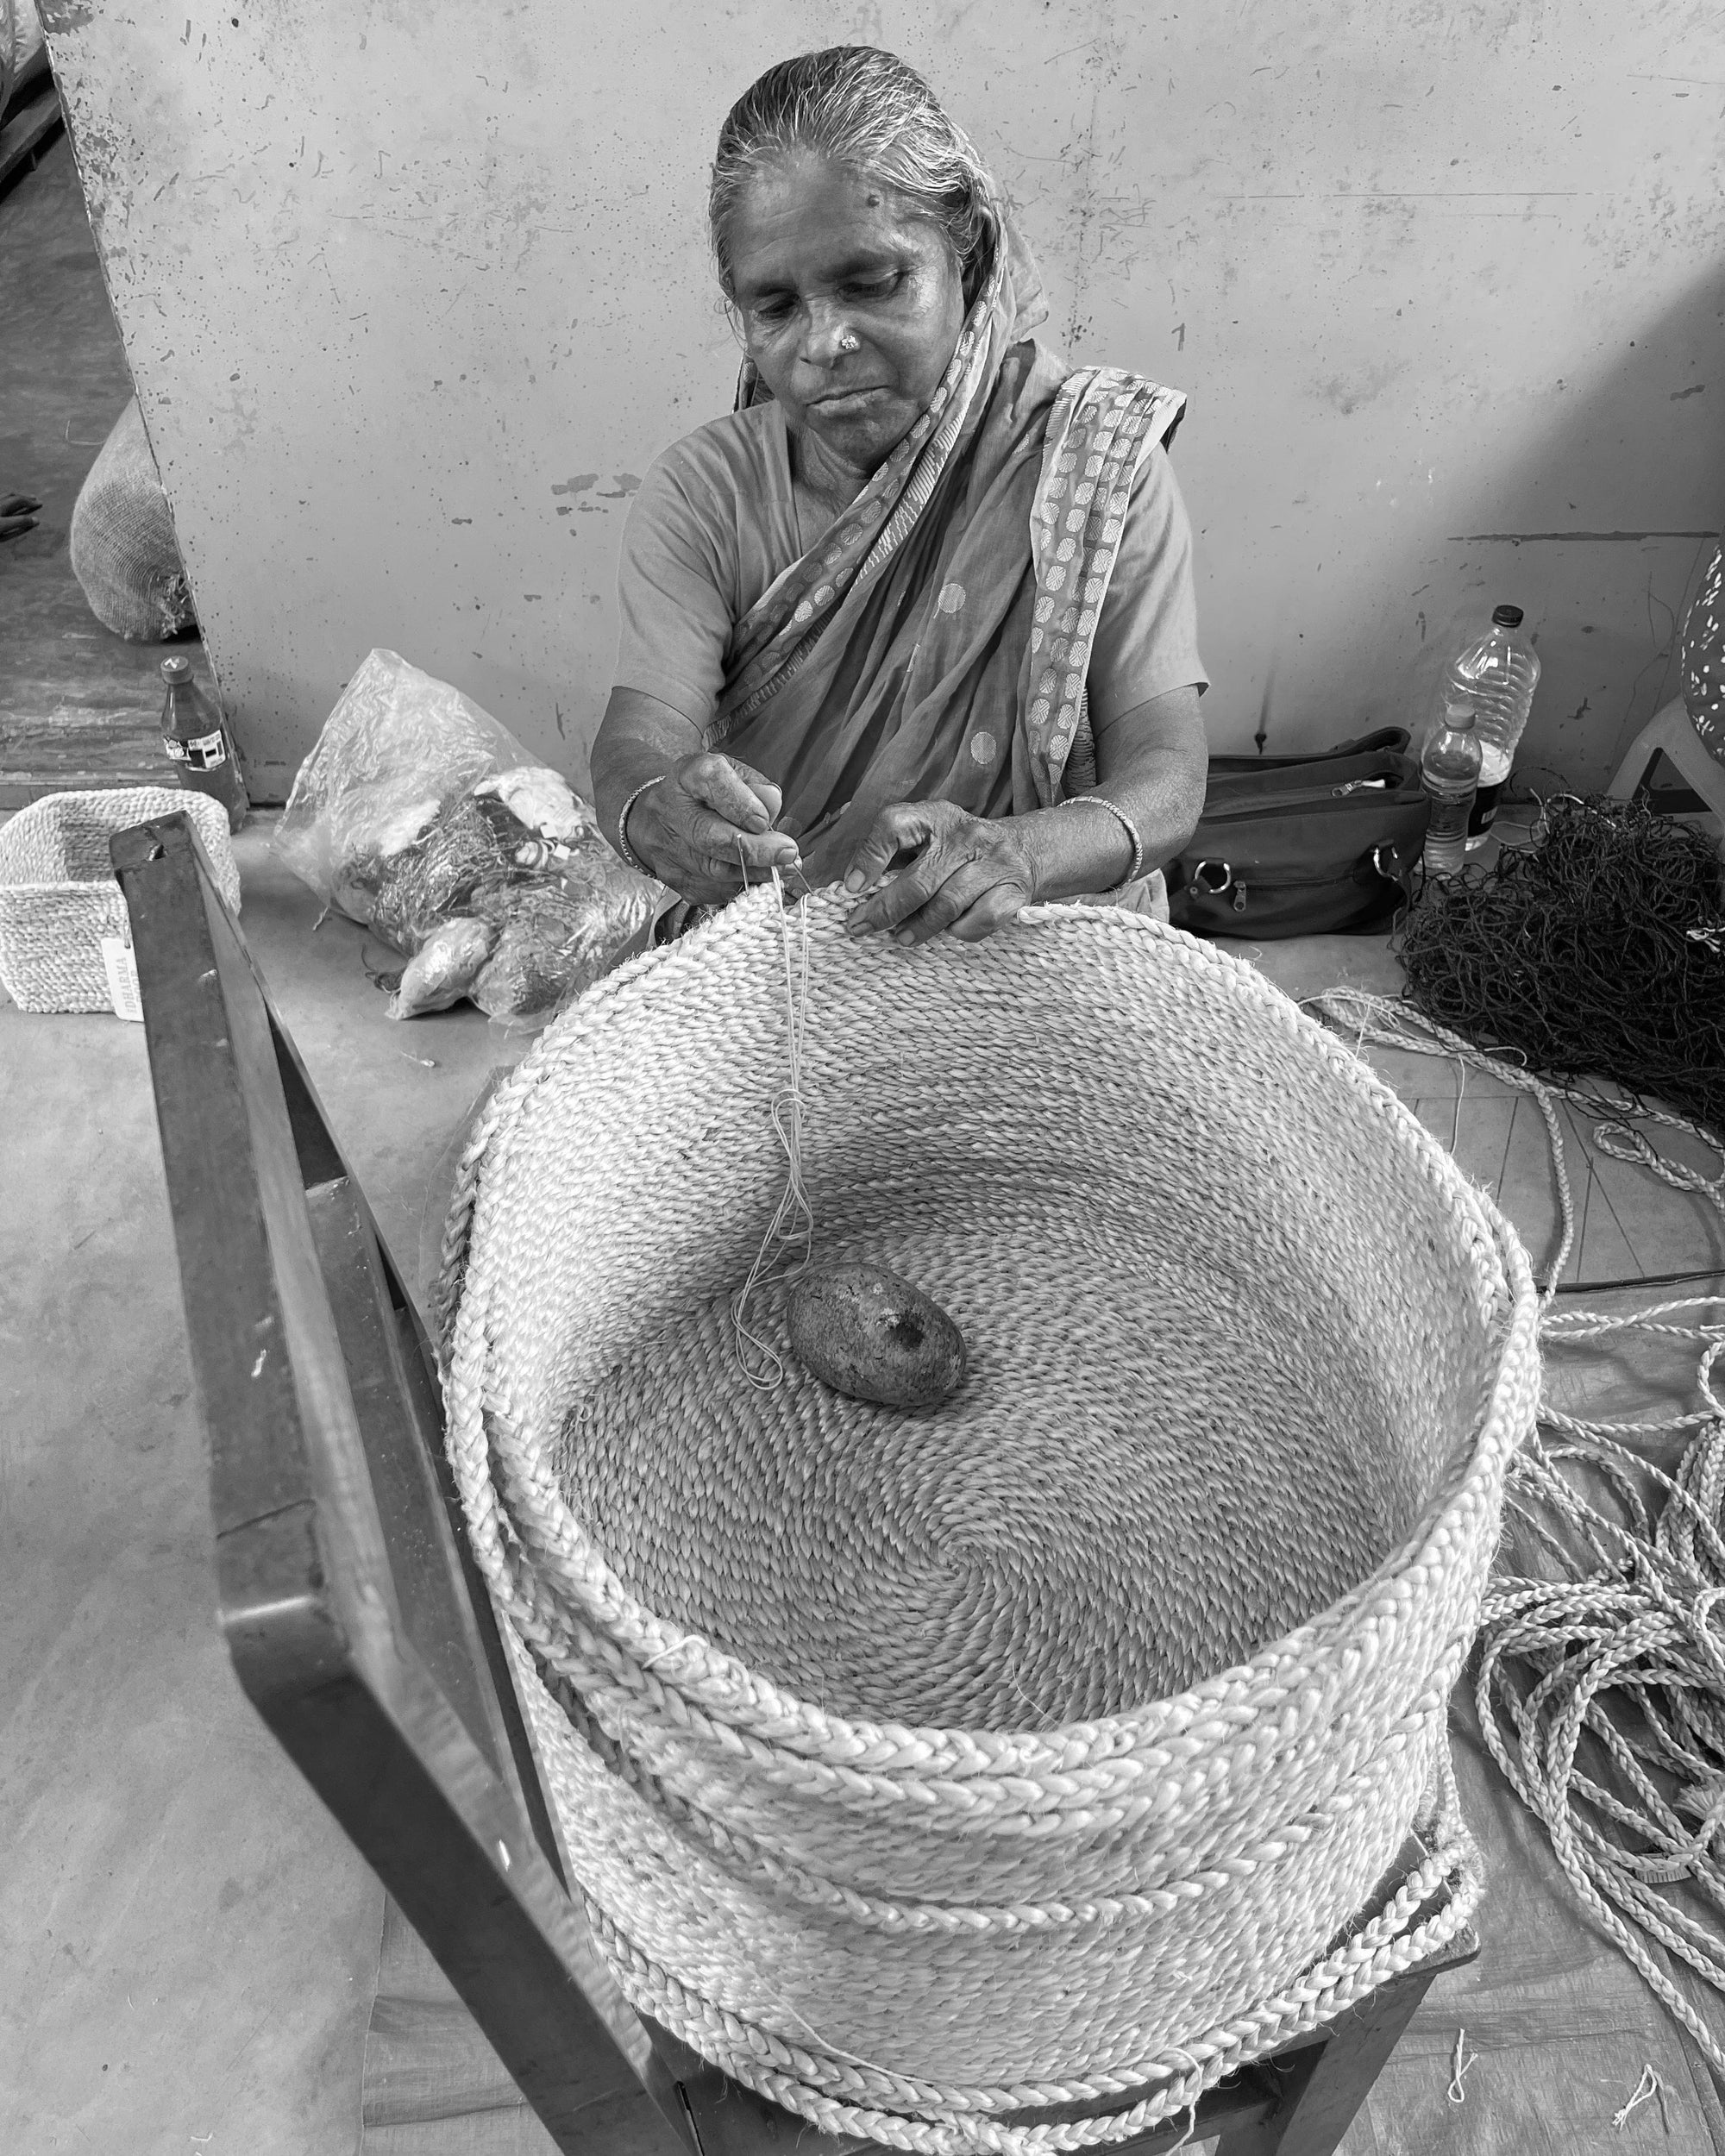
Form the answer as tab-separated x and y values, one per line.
924	1770
59	898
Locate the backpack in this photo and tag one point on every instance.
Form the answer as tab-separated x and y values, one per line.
1309	845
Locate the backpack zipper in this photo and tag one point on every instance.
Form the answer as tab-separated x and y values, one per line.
1235	810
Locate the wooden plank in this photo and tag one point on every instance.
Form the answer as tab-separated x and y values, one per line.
77	749
318	1628
1325	2088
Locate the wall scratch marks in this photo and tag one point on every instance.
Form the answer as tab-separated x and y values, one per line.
1529	538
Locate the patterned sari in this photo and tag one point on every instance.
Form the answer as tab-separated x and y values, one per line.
933	643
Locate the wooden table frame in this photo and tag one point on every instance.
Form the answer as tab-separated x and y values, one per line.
359	1625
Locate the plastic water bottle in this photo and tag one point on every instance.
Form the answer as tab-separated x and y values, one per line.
1449	775
1495	679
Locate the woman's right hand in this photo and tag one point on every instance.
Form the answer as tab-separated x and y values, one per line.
705	820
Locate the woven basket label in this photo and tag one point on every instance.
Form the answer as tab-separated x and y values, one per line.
122	978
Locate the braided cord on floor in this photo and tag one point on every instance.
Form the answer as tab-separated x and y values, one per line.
840	2100
1633	1618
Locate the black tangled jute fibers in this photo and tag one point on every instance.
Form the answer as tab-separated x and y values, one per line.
1597	949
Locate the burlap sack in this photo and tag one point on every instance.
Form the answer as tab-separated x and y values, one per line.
123	550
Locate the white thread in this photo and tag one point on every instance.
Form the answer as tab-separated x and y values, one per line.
793	1222
1646	2090
1459	2067
1192	2067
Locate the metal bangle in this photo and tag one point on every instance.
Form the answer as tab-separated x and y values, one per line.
624	850
1101	800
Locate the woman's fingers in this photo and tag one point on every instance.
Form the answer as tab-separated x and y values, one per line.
969	875
708	828
718	839
906	824
730	790
954	900
903	828
999	903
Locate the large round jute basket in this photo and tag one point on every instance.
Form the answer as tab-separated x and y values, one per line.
927	1770
60	897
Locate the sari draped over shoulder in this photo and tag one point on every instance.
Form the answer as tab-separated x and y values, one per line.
933	643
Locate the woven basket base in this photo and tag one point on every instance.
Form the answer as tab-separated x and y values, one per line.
1108	1511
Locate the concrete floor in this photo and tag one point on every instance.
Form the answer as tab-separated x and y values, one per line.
188	1945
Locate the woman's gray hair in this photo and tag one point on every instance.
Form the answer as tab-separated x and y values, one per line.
864	108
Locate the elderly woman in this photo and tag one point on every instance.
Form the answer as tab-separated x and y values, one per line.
917	614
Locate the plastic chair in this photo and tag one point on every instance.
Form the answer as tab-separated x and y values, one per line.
361	1630
1671	730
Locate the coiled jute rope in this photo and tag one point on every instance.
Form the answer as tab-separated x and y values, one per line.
924	1771
1622	1644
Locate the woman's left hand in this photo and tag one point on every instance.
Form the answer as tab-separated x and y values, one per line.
970	876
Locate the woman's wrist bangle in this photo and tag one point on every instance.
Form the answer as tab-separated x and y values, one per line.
1101	801
624	850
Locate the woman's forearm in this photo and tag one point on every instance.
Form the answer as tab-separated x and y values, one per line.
639	738
1152	766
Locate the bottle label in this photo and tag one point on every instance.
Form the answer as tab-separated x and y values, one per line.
176	750
203	752
1484	814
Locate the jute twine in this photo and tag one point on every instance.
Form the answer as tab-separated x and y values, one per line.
923	1770
59	898
1600	1680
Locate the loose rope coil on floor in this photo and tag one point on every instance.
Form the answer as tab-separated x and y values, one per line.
924	1770
1626	1645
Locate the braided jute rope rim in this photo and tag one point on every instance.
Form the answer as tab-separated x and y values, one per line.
689	1683
746	1857
1387	1945
842	2094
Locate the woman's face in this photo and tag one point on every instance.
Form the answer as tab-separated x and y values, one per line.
824	261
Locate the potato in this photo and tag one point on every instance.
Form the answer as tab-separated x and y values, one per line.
865	1331
443	968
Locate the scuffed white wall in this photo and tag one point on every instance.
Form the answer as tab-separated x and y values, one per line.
413	291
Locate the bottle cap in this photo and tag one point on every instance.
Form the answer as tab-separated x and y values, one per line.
1510	617
175	670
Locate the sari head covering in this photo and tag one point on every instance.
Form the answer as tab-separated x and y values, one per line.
933	642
